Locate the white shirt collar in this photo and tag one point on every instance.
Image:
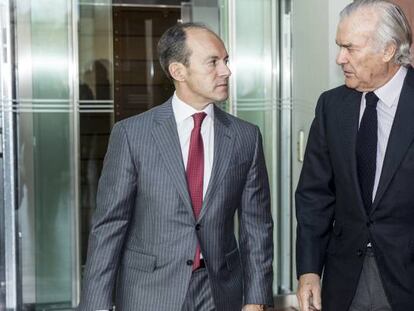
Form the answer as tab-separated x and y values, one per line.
389	92
183	110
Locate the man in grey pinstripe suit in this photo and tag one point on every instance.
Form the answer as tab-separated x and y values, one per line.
143	242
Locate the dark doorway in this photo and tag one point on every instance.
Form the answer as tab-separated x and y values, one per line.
139	81
120	77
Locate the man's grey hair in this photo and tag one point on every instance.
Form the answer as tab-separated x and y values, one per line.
392	27
172	46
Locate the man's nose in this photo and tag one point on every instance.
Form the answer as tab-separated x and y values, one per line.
341	57
224	70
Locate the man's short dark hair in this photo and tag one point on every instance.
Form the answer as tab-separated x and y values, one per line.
172	45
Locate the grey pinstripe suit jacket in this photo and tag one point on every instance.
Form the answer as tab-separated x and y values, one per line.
144	232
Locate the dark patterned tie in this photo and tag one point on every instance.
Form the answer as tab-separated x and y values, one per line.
195	173
366	149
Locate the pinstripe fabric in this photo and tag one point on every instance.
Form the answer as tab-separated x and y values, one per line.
199	296
144	230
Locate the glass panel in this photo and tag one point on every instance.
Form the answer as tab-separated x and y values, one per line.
140	83
2	236
8	267
4	27
95	52
95	49
44	115
206	12
252	48
120	76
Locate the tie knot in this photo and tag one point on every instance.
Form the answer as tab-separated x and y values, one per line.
198	119
371	100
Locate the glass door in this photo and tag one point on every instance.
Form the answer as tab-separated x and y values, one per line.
68	72
95	66
40	169
255	96
119	76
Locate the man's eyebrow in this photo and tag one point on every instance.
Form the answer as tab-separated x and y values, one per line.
344	45
215	57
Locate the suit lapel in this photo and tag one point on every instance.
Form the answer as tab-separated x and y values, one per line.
166	138
223	148
348	119
401	136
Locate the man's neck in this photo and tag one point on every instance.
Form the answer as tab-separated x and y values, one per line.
191	101
392	70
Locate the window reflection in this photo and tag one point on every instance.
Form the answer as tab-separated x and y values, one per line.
119	76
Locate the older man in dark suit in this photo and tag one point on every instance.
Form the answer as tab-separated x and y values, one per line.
355	198
163	234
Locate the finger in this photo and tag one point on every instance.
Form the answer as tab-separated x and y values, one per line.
316	297
299	301
311	306
304	298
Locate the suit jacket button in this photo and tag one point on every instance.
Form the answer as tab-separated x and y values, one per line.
190	262
198	227
359	252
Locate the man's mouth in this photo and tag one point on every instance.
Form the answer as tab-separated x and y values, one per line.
222	85
348	73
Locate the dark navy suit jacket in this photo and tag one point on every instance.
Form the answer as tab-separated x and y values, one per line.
333	226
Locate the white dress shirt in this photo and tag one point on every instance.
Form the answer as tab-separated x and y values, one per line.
185	124
388	95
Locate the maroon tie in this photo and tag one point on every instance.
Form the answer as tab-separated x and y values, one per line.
195	173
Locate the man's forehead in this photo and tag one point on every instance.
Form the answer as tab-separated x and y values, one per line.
357	28
362	20
208	41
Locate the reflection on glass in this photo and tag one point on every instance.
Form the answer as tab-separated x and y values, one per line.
44	145
94	134
95	52
119	76
255	100
140	83
95	102
2	240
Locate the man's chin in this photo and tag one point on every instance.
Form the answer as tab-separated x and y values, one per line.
351	83
221	98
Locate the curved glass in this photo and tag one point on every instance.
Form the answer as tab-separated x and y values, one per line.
253	49
45	140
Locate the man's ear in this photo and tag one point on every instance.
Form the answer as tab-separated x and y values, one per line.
389	52
177	71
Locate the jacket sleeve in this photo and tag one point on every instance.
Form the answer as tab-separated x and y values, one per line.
115	200
256	231
315	198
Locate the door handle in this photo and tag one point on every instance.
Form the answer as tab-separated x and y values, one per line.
301	146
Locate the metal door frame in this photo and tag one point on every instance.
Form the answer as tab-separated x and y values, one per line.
8	136
9	109
9	178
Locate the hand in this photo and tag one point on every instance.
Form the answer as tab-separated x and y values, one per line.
251	307
309	292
